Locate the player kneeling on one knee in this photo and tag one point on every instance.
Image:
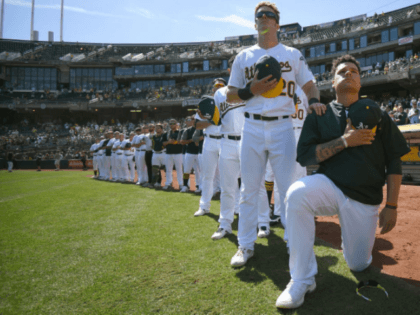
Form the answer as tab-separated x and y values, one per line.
365	151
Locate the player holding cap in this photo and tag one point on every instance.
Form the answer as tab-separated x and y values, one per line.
364	151
268	129
210	156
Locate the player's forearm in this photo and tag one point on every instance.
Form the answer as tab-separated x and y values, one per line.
326	150
311	90
202	124
232	95
393	188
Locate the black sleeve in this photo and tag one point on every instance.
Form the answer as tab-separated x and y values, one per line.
309	139
394	144
165	137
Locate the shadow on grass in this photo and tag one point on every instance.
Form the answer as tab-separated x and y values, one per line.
335	293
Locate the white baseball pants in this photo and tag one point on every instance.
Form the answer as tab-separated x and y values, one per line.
107	166
263	141
95	163
142	176
210	160
317	195
230	165
114	167
191	162
170	161
9	166
158	159
129	163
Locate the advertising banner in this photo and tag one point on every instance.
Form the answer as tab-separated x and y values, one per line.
79	164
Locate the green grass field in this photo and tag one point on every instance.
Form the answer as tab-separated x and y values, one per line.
73	245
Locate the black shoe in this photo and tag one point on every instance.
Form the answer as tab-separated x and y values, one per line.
275	219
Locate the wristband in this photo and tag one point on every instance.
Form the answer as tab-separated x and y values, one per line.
313	100
245	93
345	142
390	205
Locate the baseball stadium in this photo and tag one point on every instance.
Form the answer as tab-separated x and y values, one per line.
82	234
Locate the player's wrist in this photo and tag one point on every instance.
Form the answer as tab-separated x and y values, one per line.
313	100
245	93
391	205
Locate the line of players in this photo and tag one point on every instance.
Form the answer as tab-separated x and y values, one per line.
148	151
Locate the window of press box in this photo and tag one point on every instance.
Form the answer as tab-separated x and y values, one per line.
375	38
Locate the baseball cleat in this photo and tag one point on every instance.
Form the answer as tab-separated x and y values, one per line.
263	232
201	211
294	294
197	191
167	187
138	183
220	233
184	189
275	219
241	257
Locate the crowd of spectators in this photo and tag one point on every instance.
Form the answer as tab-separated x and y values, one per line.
27	142
377	69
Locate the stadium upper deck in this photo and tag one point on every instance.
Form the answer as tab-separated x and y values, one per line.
93	75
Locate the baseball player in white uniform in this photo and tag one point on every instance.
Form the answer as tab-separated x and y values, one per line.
210	158
100	157
128	165
113	159
136	143
268	129
141	165
119	157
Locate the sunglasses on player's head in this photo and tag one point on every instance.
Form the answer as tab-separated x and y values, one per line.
268	14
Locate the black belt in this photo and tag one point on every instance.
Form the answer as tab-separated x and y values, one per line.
237	138
214	137
128	154
157	152
297	128
266	118
119	153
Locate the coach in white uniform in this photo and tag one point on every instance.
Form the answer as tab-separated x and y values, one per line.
128	175
100	157
268	130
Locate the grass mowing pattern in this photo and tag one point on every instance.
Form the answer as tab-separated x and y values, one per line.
73	245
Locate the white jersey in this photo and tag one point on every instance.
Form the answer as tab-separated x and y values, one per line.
93	148
123	144
301	110
295	72
148	141
100	145
210	130
111	144
231	115
136	140
116	144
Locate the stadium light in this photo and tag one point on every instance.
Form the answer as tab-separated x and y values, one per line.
2	18
32	20
61	21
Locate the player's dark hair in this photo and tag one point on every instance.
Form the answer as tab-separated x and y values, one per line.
344	59
160	126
